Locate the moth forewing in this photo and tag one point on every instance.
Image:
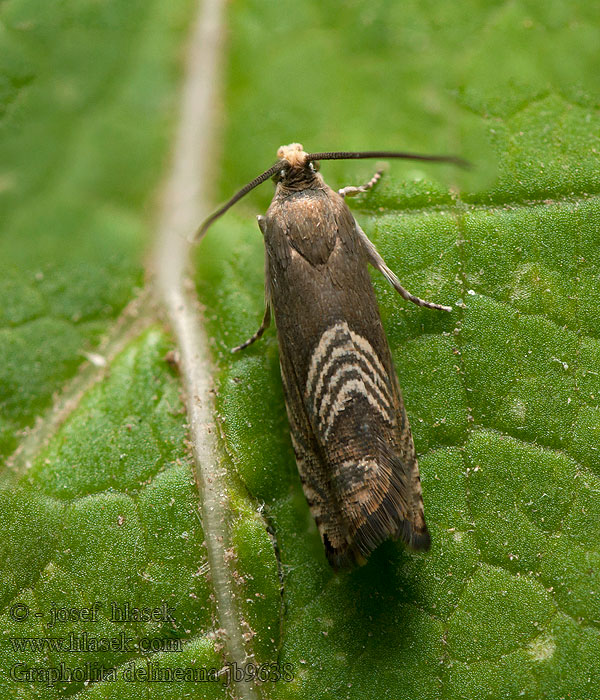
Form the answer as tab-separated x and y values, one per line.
353	445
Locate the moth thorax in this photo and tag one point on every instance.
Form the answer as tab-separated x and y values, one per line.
294	154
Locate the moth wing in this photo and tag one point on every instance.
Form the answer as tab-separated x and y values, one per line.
313	468
368	459
350	434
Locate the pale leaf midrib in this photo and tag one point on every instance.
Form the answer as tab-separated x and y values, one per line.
183	203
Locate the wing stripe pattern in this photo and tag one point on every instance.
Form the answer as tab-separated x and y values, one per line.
343	366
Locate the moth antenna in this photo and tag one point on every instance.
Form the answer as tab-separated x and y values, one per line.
328	155
237	196
348	155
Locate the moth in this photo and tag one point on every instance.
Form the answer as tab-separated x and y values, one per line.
350	433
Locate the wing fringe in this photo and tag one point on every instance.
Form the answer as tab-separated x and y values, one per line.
391	520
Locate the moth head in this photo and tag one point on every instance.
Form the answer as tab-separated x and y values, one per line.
296	165
293	155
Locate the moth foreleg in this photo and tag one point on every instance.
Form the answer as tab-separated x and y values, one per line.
378	263
266	322
351	191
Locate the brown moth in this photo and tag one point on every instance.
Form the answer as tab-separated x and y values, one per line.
349	430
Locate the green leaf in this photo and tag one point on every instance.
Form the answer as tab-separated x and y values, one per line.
99	505
502	394
100	493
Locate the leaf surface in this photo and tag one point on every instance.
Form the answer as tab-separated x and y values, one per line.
98	497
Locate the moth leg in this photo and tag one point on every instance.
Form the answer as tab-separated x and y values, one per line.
263	327
351	191
379	264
